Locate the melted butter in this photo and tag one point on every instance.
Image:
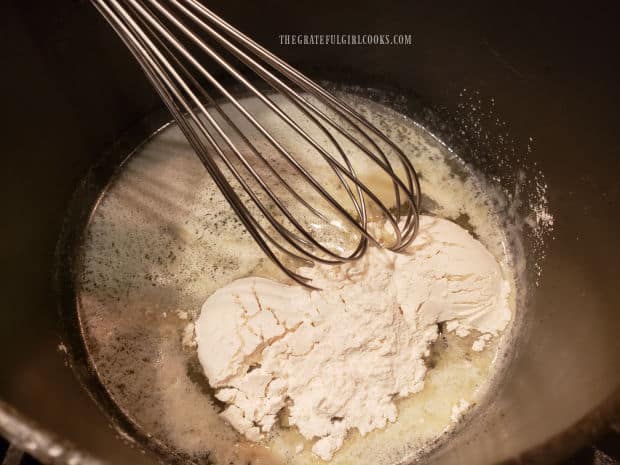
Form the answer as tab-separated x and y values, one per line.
163	239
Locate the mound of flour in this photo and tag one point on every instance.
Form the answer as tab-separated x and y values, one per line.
337	359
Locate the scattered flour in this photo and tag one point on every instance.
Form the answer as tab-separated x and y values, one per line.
480	343
458	410
337	359
188	339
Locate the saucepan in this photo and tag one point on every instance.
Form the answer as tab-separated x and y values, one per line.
526	93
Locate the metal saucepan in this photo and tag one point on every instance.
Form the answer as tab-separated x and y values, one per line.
73	93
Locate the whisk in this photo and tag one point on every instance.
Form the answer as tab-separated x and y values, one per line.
283	197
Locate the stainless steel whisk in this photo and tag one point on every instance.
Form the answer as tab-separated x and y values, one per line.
172	40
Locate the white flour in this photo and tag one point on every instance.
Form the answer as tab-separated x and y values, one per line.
337	359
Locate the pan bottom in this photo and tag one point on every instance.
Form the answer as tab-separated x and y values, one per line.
162	239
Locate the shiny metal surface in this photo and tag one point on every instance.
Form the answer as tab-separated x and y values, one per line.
175	72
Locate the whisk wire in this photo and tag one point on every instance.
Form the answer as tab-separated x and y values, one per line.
162	85
310	86
224	136
149	40
278	85
264	132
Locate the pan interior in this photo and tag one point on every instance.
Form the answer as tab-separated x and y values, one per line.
162	239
